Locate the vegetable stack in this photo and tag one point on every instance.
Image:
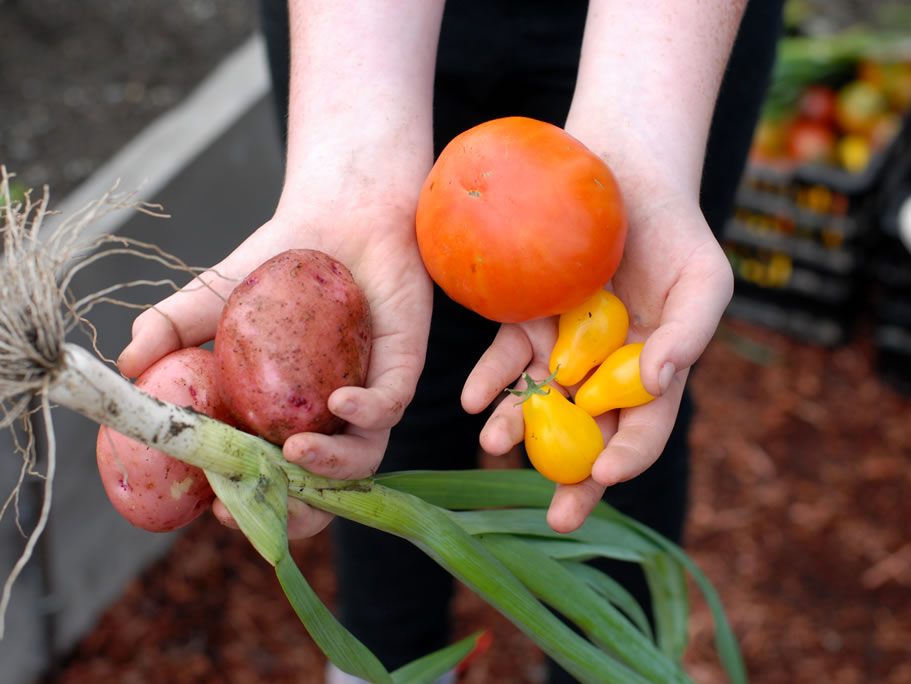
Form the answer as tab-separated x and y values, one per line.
485	527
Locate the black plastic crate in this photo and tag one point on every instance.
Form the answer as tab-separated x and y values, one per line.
803	242
890	278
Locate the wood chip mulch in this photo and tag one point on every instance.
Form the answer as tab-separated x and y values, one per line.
801	502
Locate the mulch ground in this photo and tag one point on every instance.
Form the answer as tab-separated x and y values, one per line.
800	518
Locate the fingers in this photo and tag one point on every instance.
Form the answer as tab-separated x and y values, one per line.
642	433
186	318
303	520
374	408
498	368
506	427
690	316
572	504
352	455
400	326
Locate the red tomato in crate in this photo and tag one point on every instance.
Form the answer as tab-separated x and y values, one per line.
518	220
810	142
818	103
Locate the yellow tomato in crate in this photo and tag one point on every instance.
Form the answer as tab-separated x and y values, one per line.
853	153
562	441
859	106
616	384
588	334
893	79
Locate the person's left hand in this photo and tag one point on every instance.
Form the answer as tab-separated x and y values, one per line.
675	281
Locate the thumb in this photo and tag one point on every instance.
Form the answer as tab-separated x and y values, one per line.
187	318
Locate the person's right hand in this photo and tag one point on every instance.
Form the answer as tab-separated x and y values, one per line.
375	240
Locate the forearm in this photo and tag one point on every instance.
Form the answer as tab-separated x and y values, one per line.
648	80
361	90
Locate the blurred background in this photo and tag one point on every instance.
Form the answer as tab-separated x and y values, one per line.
802	441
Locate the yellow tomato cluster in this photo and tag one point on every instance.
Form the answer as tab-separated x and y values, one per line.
561	437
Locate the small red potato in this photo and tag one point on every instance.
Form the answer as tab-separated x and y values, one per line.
147	487
296	329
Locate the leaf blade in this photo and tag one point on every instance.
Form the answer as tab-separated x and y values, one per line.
336	642
429	668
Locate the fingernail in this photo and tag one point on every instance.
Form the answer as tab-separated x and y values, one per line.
347	408
665	375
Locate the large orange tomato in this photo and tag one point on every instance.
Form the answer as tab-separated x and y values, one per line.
518	220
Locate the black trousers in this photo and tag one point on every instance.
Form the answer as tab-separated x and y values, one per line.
501	58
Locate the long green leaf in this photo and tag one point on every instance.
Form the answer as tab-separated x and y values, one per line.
466	489
470	489
532	522
438	535
431	667
725	641
339	645
667	583
596	616
614	592
260	505
569	550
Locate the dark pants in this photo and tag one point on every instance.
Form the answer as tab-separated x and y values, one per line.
500	58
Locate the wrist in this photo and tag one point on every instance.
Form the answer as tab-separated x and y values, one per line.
648	168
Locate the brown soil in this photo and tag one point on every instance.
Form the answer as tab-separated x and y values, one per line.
799	517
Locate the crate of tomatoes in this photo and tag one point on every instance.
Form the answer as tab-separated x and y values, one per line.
835	121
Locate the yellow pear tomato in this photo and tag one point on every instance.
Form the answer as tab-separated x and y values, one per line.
587	335
616	384
562	440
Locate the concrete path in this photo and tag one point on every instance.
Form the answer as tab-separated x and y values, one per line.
214	164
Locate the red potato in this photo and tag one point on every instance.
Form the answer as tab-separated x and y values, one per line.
147	487
296	329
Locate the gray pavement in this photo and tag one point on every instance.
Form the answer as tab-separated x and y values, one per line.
89	553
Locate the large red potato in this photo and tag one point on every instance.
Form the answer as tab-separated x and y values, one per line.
147	487
296	329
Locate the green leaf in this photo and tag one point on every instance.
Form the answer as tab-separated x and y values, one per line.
435	532
593	614
260	507
667	583
614	592
339	645
725	641
533	522
569	550
470	489
431	667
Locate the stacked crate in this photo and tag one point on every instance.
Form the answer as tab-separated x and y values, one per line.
800	244
890	278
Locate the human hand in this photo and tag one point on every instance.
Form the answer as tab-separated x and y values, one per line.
376	242
675	283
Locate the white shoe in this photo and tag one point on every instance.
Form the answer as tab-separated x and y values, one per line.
336	676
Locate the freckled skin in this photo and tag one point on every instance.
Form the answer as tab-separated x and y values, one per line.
140	480
292	332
